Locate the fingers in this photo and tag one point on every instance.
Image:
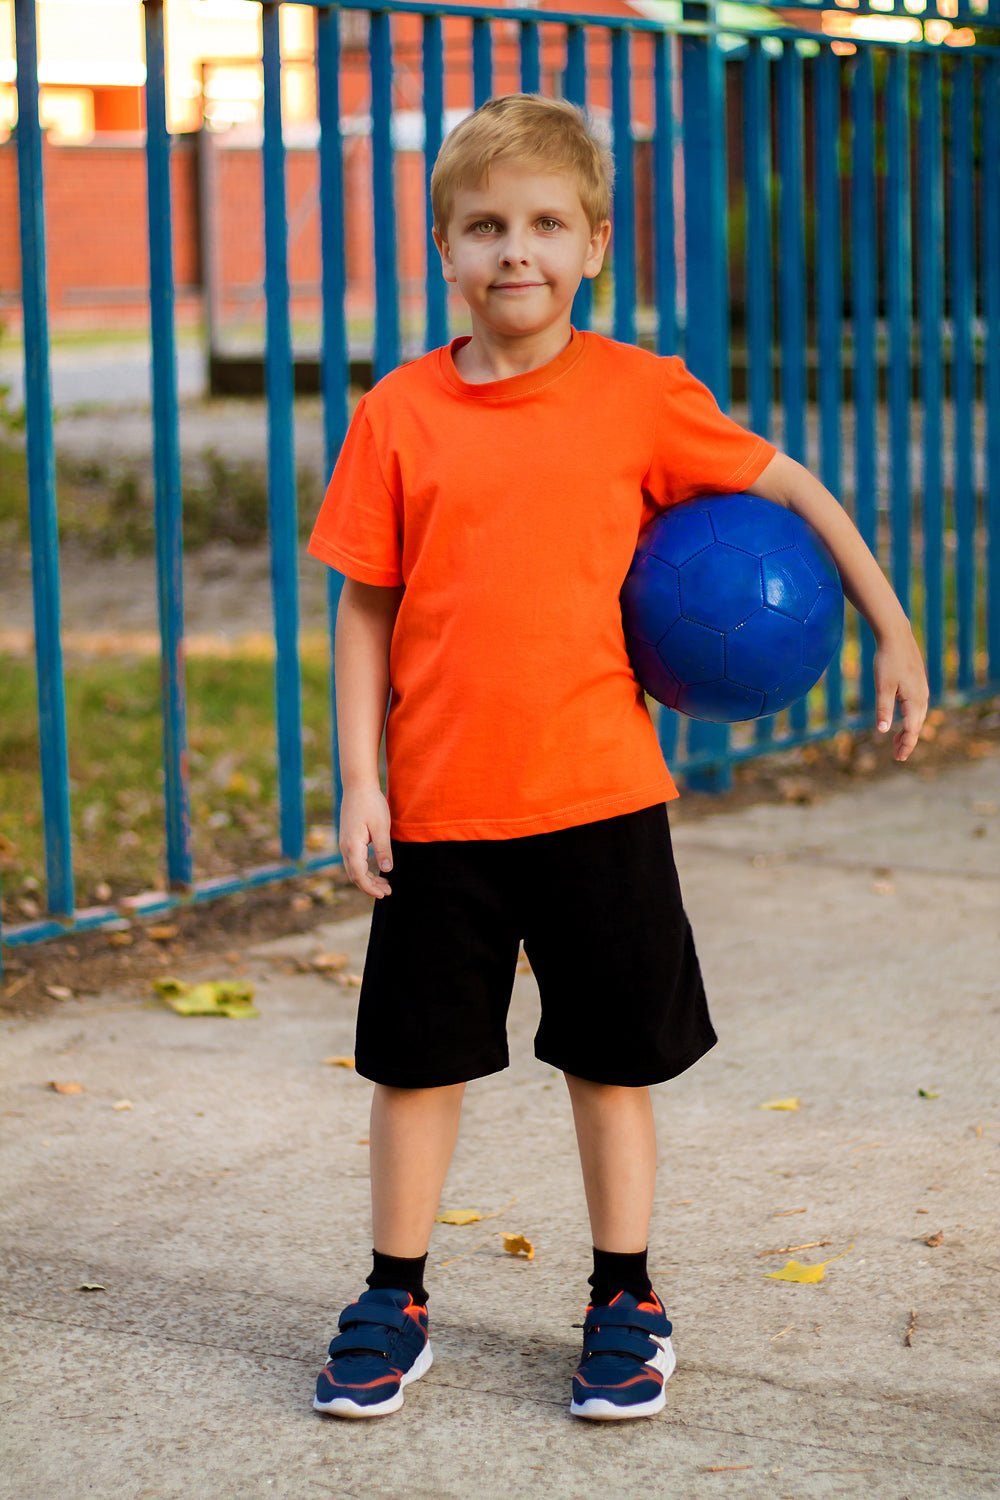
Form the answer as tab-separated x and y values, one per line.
357	834
913	721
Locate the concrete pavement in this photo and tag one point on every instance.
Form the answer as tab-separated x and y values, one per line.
852	950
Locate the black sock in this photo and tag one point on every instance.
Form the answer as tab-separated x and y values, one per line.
614	1273
400	1273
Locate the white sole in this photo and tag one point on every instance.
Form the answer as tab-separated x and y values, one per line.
597	1410
343	1406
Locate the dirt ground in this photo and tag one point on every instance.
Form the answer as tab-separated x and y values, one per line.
217	934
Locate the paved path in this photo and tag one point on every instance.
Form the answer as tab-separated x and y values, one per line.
852	950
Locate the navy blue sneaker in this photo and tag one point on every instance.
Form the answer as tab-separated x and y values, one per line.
627	1359
382	1345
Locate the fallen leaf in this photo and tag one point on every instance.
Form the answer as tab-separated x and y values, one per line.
908	1339
213	997
122	1104
517	1244
338	1062
67	1088
91	1286
59	991
926	1094
120	940
327	963
351	981
935	1239
163	932
805	1274
781	1104
458	1216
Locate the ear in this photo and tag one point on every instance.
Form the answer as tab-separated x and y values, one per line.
447	269
598	245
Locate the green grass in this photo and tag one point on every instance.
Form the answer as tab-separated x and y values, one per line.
115	753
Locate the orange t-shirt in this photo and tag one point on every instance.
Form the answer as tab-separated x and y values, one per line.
510	513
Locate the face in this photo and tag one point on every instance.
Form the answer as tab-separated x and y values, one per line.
517	246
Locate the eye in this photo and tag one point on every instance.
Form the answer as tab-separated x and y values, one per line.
548	224
484	226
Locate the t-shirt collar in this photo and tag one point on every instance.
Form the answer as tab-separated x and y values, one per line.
515	386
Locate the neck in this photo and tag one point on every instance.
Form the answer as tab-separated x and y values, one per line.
487	358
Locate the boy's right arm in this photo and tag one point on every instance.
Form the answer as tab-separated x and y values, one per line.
365	620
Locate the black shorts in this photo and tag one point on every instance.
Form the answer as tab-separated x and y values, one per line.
599	910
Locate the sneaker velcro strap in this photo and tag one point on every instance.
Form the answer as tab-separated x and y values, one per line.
382	1314
619	1341
624	1317
359	1341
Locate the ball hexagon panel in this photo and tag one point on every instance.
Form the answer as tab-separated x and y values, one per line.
822	629
693	652
789	583
675	544
653	672
654	592
720	587
719	702
763	651
742	524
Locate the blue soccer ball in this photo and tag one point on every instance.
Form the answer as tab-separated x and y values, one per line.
733	608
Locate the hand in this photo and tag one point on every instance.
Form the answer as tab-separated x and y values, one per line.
364	821
900	677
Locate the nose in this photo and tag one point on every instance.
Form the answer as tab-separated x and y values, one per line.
513	250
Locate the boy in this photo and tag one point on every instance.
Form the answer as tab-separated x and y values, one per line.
484	511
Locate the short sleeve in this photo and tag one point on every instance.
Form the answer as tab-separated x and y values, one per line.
697	449
358	530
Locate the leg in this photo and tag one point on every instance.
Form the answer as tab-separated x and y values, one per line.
627	1355
382	1345
616	1136
413	1134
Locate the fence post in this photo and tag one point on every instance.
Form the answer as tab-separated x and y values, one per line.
279	373
166	461
41	474
706	299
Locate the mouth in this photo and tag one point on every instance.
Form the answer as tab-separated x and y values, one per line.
516	286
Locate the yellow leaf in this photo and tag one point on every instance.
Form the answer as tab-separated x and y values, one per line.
215	997
516	1244
458	1216
805	1274
781	1104
338	1062
67	1088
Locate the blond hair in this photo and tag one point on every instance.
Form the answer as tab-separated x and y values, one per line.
549	135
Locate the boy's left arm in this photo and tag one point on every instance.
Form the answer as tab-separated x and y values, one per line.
899	667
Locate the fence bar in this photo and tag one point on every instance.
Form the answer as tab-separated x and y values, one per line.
991	390
574	88
759	268
41	474
962	265
791	252
706	299
623	206
436	286
279	384
664	222
387	349
930	231
899	296
482	61
864	276
336	354
168	503
531	58
829	302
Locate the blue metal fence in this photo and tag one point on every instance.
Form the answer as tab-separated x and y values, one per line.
849	191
